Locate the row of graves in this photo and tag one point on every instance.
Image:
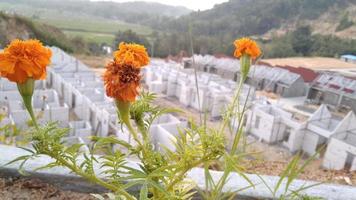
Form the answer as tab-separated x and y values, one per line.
267	121
73	96
321	131
210	95
329	88
282	81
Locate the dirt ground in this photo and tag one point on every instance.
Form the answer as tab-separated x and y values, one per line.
314	63
94	61
34	189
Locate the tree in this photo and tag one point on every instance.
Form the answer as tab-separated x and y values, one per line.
301	40
130	36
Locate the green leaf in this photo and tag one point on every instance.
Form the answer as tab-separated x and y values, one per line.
158	187
48	166
26	157
144	192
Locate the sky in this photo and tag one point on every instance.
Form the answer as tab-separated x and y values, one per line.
191	4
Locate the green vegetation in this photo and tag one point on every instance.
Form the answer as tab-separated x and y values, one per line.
302	43
344	23
93	21
13	26
109	10
212	31
10	134
17	25
241	17
130	37
98	38
93	29
93	25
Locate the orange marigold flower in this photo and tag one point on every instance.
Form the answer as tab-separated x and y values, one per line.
246	46
131	54
122	81
24	59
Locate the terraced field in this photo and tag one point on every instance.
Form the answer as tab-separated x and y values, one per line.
90	28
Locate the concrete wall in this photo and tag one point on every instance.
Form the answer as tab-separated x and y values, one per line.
310	142
336	154
349	102
263	130
331	98
81	129
297	89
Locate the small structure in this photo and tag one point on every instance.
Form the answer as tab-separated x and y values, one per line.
211	94
81	129
266	122
277	80
334	90
46	105
164	131
349	58
273	125
285	81
341	150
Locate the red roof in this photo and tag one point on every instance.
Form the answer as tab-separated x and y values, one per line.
347	90
308	75
334	86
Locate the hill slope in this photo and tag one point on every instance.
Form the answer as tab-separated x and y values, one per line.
106	9
259	17
94	21
15	27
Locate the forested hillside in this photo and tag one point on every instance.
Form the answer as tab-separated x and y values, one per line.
283	27
257	17
321	27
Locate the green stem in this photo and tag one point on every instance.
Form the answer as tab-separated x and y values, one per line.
132	131
182	173
93	178
239	115
26	90
28	104
245	68
124	114
233	105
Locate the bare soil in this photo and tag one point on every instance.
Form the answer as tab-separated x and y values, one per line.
34	189
95	62
314	63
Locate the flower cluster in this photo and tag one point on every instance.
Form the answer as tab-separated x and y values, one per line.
134	55
122	76
22	60
246	46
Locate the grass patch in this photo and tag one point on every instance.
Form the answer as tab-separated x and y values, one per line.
98	31
92	37
91	28
94	25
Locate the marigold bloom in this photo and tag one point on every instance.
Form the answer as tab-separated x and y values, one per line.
131	54
246	46
122	81
22	60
